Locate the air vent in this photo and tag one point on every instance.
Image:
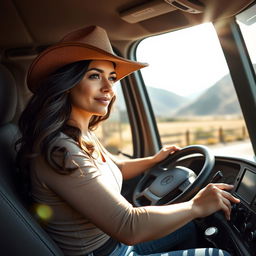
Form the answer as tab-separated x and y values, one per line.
191	6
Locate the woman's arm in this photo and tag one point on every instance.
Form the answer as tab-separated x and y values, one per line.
132	167
109	211
91	194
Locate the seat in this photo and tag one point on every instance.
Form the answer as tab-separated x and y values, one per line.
20	234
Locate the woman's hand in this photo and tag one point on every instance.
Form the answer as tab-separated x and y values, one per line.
213	198
133	167
164	152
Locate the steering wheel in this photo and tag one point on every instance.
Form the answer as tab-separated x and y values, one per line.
168	183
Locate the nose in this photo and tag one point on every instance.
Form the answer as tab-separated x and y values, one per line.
107	86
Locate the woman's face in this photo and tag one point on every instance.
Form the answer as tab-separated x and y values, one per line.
95	91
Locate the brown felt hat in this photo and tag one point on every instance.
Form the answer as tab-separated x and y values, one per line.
90	43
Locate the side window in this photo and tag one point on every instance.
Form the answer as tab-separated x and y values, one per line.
115	133
192	93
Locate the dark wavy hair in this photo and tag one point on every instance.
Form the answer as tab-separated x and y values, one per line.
47	113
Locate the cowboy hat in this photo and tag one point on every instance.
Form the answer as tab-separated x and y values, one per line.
90	43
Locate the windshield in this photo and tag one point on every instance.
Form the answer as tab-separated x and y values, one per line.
192	93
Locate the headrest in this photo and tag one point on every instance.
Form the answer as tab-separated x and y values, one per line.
8	96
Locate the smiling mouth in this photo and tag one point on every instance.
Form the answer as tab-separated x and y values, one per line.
103	100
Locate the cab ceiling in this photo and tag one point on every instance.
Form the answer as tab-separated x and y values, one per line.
30	23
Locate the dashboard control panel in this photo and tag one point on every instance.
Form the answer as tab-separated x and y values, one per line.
243	215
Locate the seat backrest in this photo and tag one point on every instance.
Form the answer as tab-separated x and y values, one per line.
20	234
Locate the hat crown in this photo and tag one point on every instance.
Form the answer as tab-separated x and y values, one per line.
92	35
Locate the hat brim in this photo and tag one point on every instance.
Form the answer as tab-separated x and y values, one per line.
64	53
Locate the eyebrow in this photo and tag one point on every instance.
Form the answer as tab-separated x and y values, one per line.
101	71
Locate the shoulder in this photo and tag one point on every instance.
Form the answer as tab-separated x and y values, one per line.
62	140
66	144
65	152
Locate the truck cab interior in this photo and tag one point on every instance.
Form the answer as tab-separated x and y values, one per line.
147	115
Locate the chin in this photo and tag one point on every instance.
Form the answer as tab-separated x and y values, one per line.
102	113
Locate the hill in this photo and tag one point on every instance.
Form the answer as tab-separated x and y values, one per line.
219	99
164	102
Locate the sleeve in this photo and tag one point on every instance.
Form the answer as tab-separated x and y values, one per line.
86	191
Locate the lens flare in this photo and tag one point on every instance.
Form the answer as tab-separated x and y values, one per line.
44	212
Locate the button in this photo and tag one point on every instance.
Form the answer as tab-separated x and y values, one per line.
212	231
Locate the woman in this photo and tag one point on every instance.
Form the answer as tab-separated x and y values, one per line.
72	175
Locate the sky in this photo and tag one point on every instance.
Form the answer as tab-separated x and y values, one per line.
187	61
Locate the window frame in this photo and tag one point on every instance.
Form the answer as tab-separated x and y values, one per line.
145	135
241	71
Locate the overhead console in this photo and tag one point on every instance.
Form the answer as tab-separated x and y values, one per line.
194	6
179	10
158	7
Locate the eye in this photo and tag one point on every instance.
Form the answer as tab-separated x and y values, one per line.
112	78
94	76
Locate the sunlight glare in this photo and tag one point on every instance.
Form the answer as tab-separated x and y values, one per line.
180	56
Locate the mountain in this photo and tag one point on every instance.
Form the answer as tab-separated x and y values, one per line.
165	102
219	99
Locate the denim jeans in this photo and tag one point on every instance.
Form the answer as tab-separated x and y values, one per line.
183	239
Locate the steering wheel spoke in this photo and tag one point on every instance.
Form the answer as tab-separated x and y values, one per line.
187	183
151	197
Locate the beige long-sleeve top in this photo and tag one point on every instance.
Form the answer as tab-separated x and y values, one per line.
87	206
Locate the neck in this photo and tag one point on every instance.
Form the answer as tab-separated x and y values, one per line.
81	120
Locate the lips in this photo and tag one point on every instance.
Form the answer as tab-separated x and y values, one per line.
103	100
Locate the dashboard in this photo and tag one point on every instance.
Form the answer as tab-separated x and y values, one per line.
238	236
243	216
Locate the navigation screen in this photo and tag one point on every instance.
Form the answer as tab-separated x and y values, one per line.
247	186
